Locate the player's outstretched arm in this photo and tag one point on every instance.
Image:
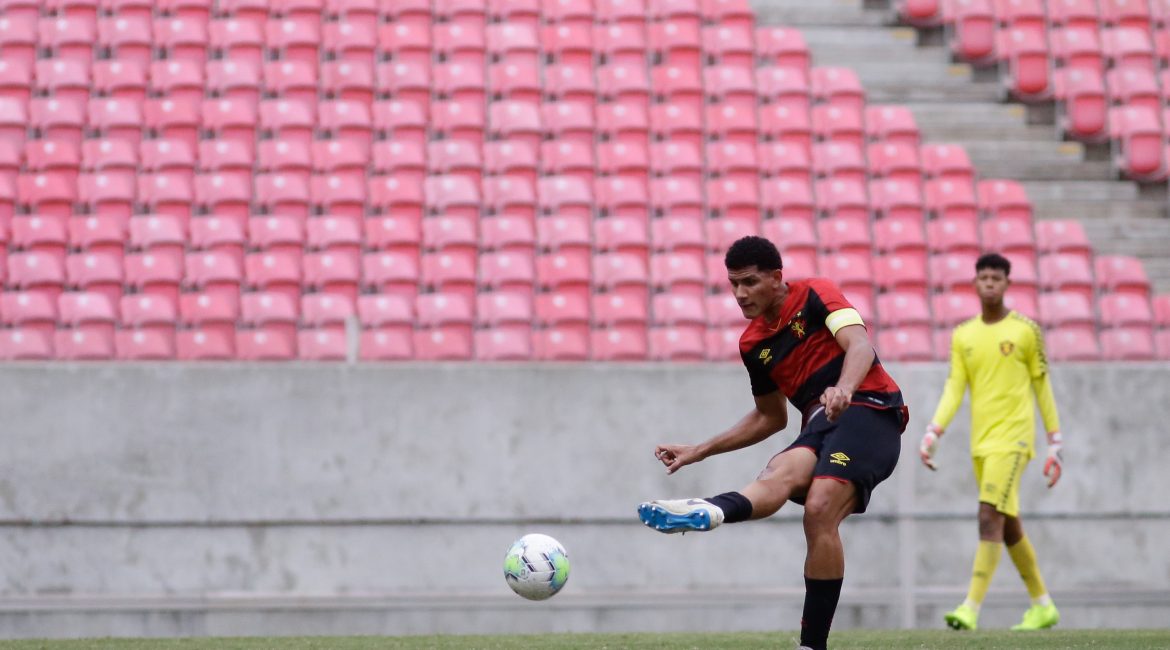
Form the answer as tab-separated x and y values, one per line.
769	416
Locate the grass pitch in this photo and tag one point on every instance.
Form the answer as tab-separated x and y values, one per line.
849	640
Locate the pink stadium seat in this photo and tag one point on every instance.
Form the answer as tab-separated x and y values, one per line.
1137	136
510	196
730	45
618	43
843	235
512	43
458	43
684	311
211	314
322	344
895	160
614	310
290	158
1128	47
221	235
680	160
265	344
784	87
1063	236
785	161
904	309
400	120
1072	344
386	313
787	198
144	345
947	161
842	198
504	344
624	122
622	196
392	273
63	79
678	272
515	81
121	80
840	123
791	234
159	235
1060	309
1066	272
181	38
449	272
676	123
570	120
205	345
973	30
88	313
1125	310
174	158
82	345
68	38
952	308
952	235
235	80
278	193
1127	344
352	39
729	12
903	235
920	13
445	312
678	234
1078	48
619	158
16	80
562	310
461	83
237	40
904	345
839	87
675	38
392	197
507	271
618	82
734	199
18	35
55	119
568	41
783	46
147	313
619	344
1011	237
1024	53
1122	274
723	343
153	274
506	310
561	344
459	120
897	199
1004	200
952	198
14	120
678	343
326	312
41	234
405	161
288	119
568	158
30	311
97	273
953	272
36	271
851	271
622	274
514	120
839	160
622	235
99	234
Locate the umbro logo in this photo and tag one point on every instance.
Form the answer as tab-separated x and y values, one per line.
839	458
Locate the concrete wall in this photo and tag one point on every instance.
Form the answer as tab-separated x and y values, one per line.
172	499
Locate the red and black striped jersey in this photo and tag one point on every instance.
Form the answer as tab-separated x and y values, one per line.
798	355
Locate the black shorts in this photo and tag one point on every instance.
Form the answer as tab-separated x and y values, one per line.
861	447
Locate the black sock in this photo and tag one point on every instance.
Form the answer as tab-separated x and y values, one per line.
820	602
734	505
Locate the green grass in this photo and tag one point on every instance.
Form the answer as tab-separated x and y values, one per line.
1111	639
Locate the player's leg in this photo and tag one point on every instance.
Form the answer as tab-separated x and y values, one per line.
828	503
998	479
1043	613
788	473
861	453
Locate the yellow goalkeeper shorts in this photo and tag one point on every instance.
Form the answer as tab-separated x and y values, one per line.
998	477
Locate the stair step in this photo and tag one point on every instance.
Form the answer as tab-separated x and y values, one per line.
1092	211
1082	190
799	13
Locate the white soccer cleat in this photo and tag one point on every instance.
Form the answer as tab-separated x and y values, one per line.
680	515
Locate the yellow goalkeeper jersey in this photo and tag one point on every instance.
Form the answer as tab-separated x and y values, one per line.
1005	365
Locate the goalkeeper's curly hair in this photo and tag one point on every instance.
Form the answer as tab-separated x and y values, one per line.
753	251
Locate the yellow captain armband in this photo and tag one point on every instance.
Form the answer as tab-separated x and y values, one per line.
842	317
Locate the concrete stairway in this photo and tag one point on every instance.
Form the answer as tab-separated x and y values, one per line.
955	103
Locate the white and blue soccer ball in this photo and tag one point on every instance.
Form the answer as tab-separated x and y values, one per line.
536	566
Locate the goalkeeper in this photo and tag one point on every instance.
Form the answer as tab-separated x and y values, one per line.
1000	354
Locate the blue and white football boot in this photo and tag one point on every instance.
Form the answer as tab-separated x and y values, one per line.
680	515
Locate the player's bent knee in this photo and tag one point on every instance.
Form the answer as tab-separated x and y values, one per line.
828	502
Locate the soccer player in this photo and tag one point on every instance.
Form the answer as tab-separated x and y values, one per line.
807	344
1000	354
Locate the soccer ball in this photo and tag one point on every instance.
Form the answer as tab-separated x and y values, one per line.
536	567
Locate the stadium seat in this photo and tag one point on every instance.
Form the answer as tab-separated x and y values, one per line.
1137	135
564	311
332	273
92	314
951	308
1068	272
1127	344
1162	345
904	345
677	344
952	235
1125	310
560	344
1072	344
972	34
1024	55
1122	274
1066	310
953	272
783	46
619	344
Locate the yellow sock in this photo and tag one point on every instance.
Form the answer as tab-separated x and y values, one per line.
1024	557
986	559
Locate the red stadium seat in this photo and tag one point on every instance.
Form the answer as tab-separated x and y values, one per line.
564	310
1067	272
506	310
1011	237
1122	274
892	124
30	311
1072	344
723	343
41	234
620	44
69	38
1137	136
619	344
904	345
952	235
570	121
1127	344
677	344
952	308
843	198
1125	310
36	271
461	83
18	35
97	273
514	120
445	312
678	272
904	309
1024	52
393	273
99	234
1004	200
973	31
783	46
952	198
612	310
897	199
624	122
81	345
289	158
787	198
88	313
851	271
561	344
1063	236
953	272
504	344
623	274
791	234
1060	309
238	41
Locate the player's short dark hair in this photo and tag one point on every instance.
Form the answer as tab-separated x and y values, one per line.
993	261
753	251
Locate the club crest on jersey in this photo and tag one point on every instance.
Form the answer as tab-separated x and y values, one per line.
1006	347
798	327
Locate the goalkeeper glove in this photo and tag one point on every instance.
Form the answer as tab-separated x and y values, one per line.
1052	465
929	443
